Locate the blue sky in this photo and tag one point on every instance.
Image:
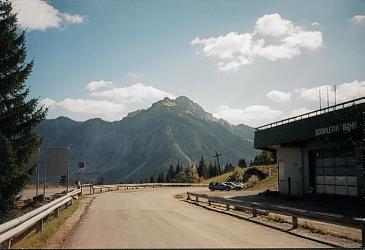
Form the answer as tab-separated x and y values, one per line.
248	62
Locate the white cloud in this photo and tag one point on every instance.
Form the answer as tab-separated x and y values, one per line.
272	38
253	115
95	85
344	92
256	115
296	112
278	96
315	24
40	15
273	25
75	19
108	101
48	102
87	106
358	19
133	76
136	93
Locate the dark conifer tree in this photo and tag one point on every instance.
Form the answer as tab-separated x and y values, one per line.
211	170
161	178
178	169
228	167
152	179
19	114
242	163
202	169
171	174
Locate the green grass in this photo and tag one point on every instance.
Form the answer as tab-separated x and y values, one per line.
37	240
266	183
220	178
277	218
309	226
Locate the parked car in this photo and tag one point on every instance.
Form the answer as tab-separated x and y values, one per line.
234	185
219	186
240	184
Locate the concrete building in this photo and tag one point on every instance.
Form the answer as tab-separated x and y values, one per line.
321	152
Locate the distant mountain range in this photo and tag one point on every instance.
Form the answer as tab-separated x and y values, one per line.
146	142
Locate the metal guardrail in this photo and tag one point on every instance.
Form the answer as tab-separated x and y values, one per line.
13	228
259	208
314	113
101	188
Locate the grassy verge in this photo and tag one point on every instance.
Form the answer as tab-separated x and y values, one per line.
37	240
219	178
266	183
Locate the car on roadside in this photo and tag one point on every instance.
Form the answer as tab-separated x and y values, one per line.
219	186
234	186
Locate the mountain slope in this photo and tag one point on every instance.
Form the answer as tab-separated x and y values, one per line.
146	142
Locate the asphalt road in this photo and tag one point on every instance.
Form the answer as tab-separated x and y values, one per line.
153	218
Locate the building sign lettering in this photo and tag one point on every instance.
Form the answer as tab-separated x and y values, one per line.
345	127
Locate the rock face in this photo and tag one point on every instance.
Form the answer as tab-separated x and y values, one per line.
147	141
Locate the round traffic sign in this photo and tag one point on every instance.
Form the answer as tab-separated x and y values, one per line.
82	164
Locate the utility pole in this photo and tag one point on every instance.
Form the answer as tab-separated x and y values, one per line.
320	101
38	165
217	156
334	87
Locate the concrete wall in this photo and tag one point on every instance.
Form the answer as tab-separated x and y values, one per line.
290	161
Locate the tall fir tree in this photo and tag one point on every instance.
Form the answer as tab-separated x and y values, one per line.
202	169
170	174
242	163
19	114
211	170
178	168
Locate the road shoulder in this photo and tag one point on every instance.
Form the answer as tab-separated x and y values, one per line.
59	239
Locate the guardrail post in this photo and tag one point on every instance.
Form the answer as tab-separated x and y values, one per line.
6	244
295	221
363	234
57	212
39	226
254	212
90	188
227	206
196	198
188	197
209	202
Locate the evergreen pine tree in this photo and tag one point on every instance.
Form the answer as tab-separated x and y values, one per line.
228	167
211	170
178	169
170	175
242	163
216	169
152	179
19	114
160	178
202	169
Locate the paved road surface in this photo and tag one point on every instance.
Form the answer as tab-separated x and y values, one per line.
153	218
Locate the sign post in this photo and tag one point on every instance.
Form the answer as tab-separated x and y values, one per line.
82	166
